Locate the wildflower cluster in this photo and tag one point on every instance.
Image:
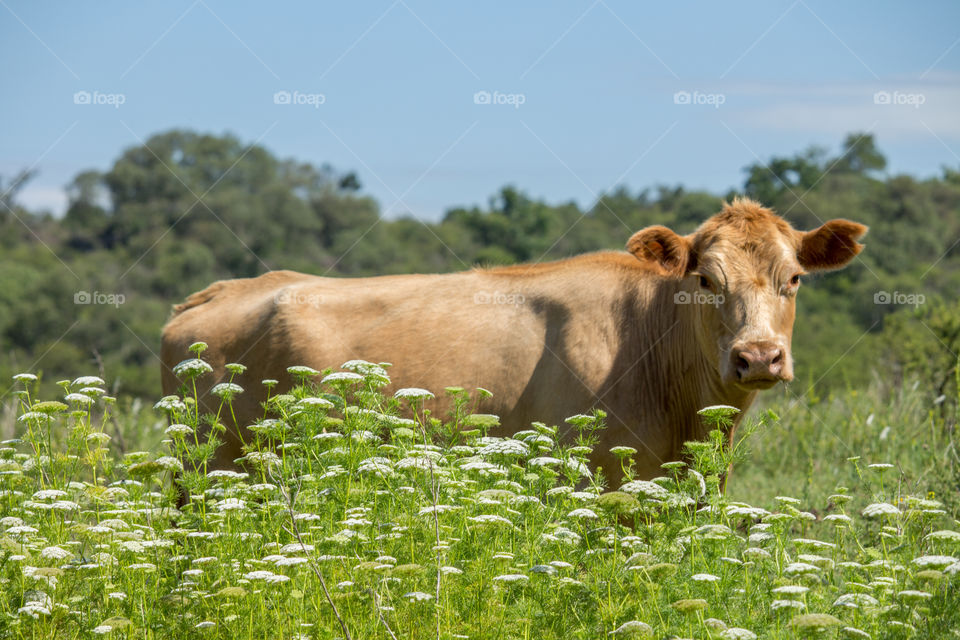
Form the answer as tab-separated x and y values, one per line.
357	514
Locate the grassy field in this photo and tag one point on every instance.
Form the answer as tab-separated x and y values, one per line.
355	522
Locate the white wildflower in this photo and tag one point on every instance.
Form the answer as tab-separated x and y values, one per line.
170	403
98	437
511	577
291	562
226	473
578	466
170	463
798	568
55	553
856	600
192	368
787	604
178	430
505	447
878	509
34	610
544	461
746	512
298	370
545	569
413	393
343	376
78	398
839	518
263	458
362	366
231	504
622	451
791	590
483	468
17	530
646	488
316	403
259	575
944	535
714	531
937	562
93	392
277	578
704	577
226	390
49	494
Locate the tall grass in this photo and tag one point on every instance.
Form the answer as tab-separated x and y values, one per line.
362	516
822	443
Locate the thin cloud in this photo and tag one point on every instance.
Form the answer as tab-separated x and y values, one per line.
901	109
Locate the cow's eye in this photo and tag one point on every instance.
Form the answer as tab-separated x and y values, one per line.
795	280
704	282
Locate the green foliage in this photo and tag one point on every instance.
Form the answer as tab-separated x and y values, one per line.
823	443
186	209
925	343
378	520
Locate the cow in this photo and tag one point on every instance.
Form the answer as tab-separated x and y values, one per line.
650	335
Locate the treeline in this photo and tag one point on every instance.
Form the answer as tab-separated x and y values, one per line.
91	290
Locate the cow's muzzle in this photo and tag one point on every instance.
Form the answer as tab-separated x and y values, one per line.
759	365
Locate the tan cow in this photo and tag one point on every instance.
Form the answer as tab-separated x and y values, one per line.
650	336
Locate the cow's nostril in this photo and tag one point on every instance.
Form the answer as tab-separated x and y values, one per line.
741	364
778	358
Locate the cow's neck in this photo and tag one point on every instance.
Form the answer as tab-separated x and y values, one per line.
676	376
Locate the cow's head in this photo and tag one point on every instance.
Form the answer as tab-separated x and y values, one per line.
739	273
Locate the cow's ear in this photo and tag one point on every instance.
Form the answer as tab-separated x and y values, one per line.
662	249
831	246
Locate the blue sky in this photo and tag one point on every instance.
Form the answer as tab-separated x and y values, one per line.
583	95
